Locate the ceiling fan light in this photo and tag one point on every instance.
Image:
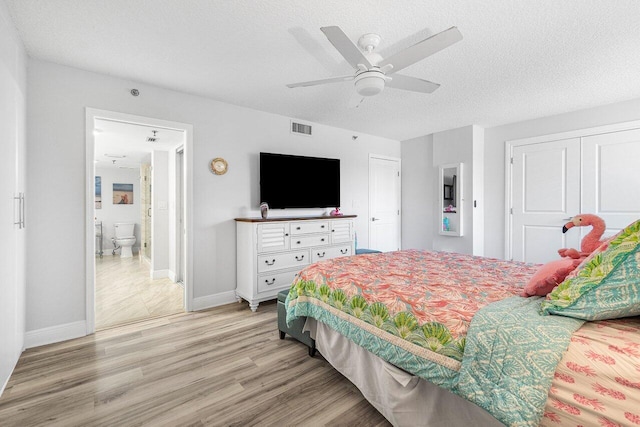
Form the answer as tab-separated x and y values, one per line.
369	83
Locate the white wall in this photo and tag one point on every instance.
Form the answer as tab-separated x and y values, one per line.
417	193
112	213
58	96
13	93
450	147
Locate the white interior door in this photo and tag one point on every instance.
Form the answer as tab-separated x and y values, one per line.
545	193
611	178
384	203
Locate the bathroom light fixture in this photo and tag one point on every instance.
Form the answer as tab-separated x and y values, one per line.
153	138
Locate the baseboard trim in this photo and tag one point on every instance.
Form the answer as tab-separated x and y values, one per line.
6	381
160	274
201	303
55	334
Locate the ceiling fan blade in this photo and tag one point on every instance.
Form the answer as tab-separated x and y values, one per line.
421	50
345	46
321	82
398	81
356	100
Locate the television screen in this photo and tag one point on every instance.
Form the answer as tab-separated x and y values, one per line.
288	181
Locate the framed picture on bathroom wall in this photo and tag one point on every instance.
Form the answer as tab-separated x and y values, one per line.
98	194
122	194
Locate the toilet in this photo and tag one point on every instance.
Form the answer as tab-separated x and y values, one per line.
125	238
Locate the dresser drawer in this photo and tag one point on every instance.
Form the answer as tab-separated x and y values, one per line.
309	241
281	261
271	282
319	254
309	227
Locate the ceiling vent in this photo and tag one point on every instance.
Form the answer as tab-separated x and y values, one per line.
301	129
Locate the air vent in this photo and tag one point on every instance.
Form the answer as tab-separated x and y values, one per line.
300	129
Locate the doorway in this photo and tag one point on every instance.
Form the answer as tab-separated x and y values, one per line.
143	285
384	203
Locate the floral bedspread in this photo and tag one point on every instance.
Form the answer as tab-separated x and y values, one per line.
420	302
414	309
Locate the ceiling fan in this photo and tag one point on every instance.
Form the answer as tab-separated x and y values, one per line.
372	72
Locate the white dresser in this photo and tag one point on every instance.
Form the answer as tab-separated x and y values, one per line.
270	252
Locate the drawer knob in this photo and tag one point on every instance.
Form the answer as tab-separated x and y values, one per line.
298	242
270	282
299	258
266	261
320	255
297	228
322	226
344	251
322	240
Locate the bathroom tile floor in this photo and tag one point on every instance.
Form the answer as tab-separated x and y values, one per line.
125	292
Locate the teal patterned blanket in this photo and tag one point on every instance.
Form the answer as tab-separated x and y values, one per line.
510	358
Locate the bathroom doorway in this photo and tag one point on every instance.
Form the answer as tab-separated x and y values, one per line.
140	164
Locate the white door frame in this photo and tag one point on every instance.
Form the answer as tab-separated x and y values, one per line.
370	210
180	214
91	114
508	154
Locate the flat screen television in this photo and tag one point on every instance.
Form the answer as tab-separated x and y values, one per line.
288	181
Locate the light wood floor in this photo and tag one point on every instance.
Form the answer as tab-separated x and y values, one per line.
125	293
224	366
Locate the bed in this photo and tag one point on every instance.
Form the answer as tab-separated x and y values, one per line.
435	338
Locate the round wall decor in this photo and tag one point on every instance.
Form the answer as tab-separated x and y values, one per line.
219	166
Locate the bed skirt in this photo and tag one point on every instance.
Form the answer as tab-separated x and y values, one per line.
404	399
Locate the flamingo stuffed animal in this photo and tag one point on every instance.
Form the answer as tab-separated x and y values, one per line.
591	241
553	273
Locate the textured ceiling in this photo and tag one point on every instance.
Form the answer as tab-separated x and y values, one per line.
518	60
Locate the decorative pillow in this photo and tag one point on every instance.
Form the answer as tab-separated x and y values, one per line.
583	261
549	276
605	287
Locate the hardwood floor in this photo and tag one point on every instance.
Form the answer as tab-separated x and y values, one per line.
224	366
125	293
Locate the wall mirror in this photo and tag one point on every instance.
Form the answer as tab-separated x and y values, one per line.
450	197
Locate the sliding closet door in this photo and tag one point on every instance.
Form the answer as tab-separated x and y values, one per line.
611	178
545	193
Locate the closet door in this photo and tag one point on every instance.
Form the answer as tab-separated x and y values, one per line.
545	193
611	178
